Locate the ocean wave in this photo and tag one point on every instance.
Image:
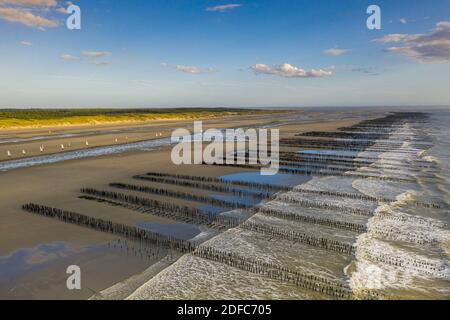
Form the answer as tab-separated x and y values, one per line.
196	278
381	266
406	197
379	189
388	224
431	159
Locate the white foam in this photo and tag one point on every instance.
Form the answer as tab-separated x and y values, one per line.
381	263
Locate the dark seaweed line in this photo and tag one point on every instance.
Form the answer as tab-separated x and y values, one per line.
287	156
206	186
145	210
326	206
354	227
390	234
285	170
365	159
181	195
322	243
372	168
370	136
364	197
273	271
337	148
395	135
110	227
328	172
398	145
374	129
419	265
262	186
316	146
344	144
383	178
300	164
343	195
168	210
349	164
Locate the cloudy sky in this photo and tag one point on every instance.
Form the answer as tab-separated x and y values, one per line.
167	53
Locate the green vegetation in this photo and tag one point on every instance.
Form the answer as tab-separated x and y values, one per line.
16	118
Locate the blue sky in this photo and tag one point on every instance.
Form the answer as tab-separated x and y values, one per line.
181	53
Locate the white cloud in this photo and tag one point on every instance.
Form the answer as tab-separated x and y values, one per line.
92	55
193	70
189	69
433	47
69	57
30	3
443	25
289	71
99	63
224	7
26	17
403	21
368	71
336	52
26	43
396	37
96	54
61	10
